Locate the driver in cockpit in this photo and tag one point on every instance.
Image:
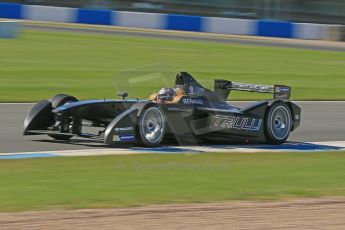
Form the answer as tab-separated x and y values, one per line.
169	95
165	95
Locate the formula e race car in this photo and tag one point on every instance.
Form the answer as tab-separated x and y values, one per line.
188	114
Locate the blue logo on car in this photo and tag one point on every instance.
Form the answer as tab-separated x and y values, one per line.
127	137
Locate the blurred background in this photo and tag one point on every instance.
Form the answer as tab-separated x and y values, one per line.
315	11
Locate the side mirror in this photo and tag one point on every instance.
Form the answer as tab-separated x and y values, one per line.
123	95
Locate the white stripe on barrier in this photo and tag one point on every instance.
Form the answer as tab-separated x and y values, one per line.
49	13
139	20
309	31
229	26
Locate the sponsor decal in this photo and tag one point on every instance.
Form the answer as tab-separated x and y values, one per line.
122	129
189	101
127	137
282	89
233	122
191	89
123	137
195	91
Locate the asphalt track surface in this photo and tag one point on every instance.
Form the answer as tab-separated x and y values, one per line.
321	122
191	36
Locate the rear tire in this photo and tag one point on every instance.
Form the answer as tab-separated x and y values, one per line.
57	101
278	123
151	126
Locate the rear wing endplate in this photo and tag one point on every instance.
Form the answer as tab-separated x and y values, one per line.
224	87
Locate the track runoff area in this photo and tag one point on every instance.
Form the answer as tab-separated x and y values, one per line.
322	129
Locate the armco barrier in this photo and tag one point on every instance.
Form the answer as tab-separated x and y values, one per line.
98	17
333	33
267	28
229	26
342	37
309	31
183	22
10	10
49	13
139	20
278	29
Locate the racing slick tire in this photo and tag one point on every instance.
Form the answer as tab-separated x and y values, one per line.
59	100
278	123
151	126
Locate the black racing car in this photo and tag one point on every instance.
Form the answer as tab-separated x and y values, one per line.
187	113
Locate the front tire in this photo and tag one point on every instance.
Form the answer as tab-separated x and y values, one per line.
59	100
151	126
278	123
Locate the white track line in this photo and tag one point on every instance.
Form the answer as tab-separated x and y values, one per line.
288	147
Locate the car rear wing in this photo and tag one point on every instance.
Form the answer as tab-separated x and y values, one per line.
224	87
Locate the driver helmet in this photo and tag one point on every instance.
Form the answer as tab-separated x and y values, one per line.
166	95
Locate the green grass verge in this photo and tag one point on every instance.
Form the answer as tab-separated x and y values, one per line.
121	181
41	64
